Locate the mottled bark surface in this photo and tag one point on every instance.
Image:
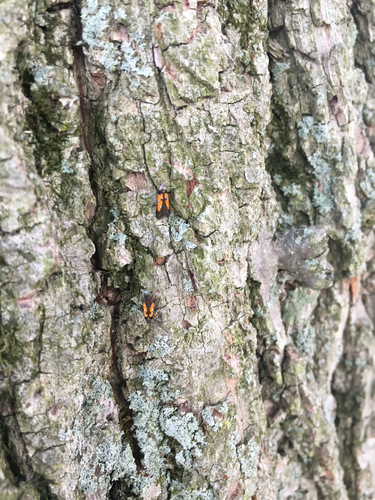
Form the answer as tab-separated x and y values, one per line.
256	378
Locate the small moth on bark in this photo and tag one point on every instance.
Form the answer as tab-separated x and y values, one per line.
148	306
162	203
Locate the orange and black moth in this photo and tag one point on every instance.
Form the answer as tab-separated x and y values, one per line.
162	203
148	306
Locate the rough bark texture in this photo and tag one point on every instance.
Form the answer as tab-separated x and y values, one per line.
256	378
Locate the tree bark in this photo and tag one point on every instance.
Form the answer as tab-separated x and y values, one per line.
255	377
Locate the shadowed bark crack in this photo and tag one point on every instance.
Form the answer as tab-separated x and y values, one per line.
20	467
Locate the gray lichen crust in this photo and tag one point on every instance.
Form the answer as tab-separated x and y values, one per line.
255	378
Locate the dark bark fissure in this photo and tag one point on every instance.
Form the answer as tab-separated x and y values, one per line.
19	464
360	22
118	298
60	6
347	419
10	454
93	140
119	387
16	456
39	118
79	68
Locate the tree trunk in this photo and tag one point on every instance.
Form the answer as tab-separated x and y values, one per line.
255	376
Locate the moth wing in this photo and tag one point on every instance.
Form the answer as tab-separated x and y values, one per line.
151	299
159	215
164	212
162	205
159	205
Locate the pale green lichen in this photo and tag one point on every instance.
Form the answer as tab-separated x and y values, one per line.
161	430
306	233
292	189
66	167
160	348
133	63
210	420
112	459
94	310
179	492
178	227
188	287
189	245
41	73
278	69
96	21
354	234
305	340
307	127
113	233
322	199
368	184
248	456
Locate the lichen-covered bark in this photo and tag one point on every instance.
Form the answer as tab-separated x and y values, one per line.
255	379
